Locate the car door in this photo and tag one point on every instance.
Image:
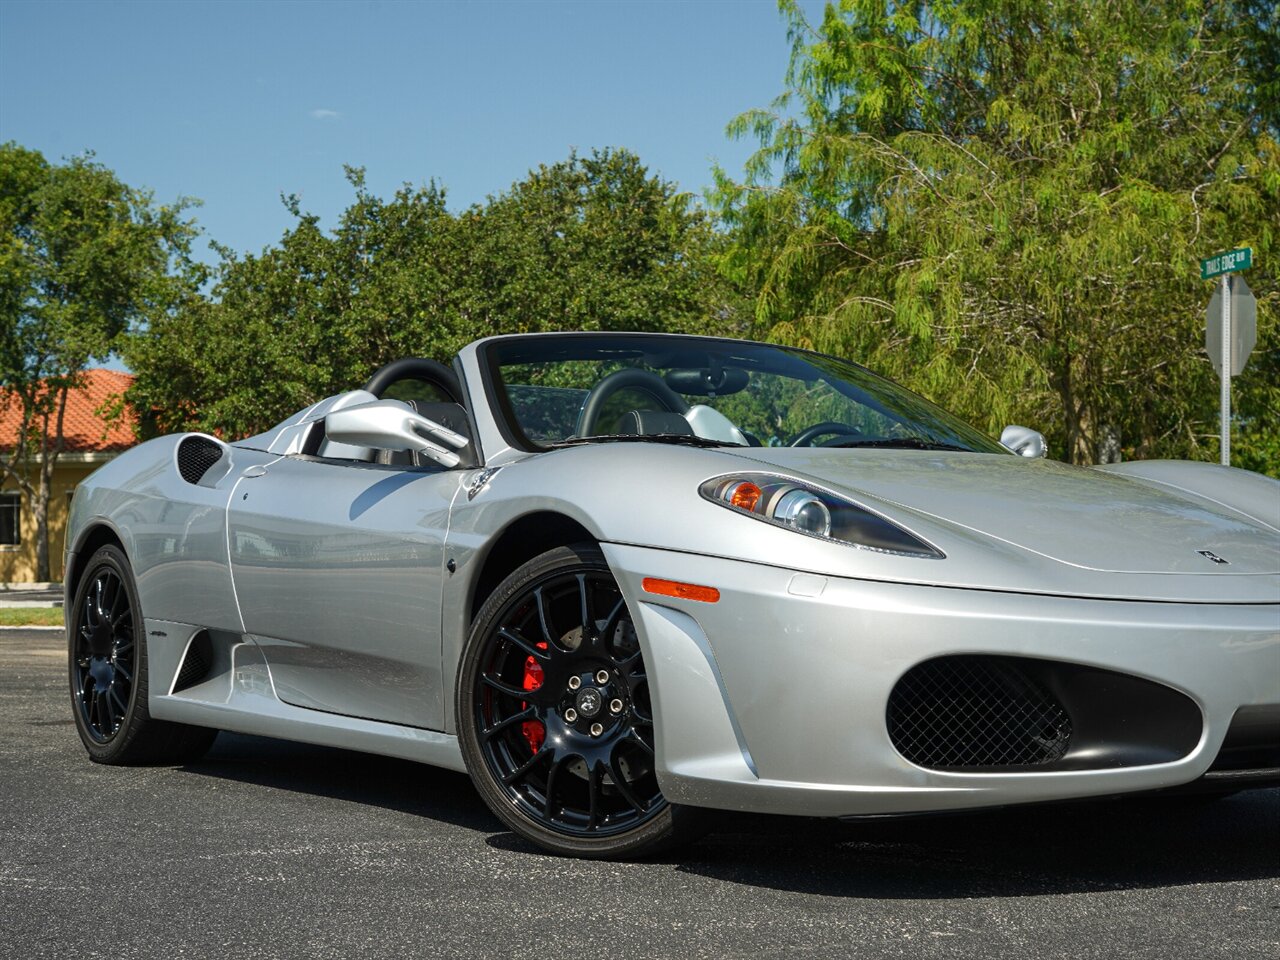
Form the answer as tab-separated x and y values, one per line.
338	571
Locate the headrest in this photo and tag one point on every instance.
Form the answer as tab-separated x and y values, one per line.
653	422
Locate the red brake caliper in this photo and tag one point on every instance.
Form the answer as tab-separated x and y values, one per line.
533	730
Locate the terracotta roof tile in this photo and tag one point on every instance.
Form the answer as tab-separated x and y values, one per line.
83	429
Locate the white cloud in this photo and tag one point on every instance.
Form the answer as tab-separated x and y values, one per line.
323	114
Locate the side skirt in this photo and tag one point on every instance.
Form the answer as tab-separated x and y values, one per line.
239	696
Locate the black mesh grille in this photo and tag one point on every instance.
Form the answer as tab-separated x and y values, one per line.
195	456
196	664
975	712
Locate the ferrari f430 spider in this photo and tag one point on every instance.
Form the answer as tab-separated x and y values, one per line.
625	580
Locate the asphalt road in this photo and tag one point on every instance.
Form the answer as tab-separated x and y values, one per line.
268	849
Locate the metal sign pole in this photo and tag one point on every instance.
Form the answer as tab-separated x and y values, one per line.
1229	348
1225	370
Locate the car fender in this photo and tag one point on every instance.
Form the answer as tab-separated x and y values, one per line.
1243	491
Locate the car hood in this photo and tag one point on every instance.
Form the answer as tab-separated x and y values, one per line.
1077	516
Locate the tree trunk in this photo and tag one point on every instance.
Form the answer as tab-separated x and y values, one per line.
1077	416
51	448
40	506
1082	450
1060	380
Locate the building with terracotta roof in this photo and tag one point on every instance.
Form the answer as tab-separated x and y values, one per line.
89	441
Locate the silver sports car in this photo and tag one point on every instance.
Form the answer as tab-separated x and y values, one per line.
626	579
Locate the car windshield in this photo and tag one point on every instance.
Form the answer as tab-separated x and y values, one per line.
560	390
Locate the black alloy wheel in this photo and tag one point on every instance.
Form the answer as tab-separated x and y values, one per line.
107	650
555	716
102	654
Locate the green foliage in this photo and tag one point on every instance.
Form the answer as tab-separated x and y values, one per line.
1003	205
591	243
31	617
1255	438
83	257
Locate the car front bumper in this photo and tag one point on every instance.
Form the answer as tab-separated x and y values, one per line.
774	698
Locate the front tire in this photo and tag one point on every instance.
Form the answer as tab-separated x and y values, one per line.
107	653
554	715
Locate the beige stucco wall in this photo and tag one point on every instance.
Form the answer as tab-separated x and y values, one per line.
18	563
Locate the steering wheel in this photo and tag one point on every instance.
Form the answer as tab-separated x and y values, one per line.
627	379
806	437
416	368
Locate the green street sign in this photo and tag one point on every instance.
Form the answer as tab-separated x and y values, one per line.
1229	262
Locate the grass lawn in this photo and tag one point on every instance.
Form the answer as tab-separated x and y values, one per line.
30	616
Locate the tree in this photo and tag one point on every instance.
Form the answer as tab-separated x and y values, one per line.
593	243
1002	205
82	257
589	243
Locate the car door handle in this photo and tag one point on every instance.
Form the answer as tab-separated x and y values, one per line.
255	471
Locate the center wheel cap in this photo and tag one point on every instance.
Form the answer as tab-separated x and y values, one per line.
589	701
100	642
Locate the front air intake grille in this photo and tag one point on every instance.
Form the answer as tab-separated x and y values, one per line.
972	711
195	456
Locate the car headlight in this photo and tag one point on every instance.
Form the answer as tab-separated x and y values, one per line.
817	513
805	511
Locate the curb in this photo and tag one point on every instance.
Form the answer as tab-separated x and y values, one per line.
34	627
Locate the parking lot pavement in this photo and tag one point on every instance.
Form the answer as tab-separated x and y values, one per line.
268	849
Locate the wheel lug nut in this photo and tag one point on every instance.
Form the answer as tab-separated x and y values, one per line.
602	676
615	706
575	683
597	729
571	715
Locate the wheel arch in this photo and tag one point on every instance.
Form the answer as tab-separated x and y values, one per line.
91	539
520	541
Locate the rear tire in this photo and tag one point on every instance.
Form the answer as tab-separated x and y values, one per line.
107	665
554	716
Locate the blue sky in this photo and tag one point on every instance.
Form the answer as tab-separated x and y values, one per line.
237	102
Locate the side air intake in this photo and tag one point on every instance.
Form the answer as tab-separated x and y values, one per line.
196	664
195	456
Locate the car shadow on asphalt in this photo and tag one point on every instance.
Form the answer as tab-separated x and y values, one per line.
1037	850
399	785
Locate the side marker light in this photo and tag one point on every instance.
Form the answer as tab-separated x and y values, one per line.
683	591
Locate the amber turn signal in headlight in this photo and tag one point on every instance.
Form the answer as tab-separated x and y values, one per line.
744	495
